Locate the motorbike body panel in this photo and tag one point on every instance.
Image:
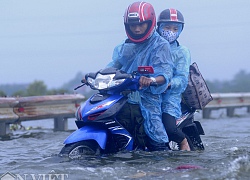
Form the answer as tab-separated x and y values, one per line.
125	139
199	128
88	133
95	105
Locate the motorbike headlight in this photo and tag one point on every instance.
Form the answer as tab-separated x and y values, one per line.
104	81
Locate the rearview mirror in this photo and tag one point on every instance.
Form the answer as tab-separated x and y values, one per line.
145	69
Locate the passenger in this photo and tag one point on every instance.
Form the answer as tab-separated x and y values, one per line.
170	25
144	47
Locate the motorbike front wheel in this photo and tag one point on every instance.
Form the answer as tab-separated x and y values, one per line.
81	148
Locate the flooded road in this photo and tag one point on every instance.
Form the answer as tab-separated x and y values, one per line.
33	154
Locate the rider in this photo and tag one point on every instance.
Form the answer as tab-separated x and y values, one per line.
170	25
144	47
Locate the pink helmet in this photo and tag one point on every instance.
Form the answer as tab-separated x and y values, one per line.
136	13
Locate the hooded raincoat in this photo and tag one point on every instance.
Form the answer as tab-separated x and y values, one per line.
172	97
154	52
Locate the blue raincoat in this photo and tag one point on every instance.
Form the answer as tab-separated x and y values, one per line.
172	98
154	52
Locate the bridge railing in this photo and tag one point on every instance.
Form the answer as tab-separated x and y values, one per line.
230	101
57	107
62	107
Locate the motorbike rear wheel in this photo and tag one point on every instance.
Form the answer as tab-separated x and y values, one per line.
197	143
190	143
81	148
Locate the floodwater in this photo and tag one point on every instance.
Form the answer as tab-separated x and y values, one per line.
33	154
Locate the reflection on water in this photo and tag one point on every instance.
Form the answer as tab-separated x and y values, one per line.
226	156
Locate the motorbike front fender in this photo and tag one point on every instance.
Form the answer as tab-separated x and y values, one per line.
88	133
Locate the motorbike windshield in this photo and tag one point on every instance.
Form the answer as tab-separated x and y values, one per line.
104	81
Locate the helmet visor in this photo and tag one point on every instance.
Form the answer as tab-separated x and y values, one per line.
129	29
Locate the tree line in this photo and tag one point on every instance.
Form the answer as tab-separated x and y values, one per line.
239	83
39	88
36	88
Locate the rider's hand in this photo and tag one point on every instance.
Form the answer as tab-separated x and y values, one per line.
145	82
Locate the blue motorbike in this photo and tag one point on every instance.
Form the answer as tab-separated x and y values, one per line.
99	131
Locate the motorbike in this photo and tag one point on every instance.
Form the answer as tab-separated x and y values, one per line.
99	131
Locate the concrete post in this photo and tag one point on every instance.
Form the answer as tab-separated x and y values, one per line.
4	129
206	113
248	109
230	111
60	124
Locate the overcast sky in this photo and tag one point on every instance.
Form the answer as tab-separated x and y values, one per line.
52	40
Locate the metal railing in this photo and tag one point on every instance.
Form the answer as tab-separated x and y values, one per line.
57	107
230	101
62	107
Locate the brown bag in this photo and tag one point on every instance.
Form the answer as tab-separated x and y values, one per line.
197	94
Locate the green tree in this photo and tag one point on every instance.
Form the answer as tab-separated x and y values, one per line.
20	93
57	91
37	88
2	94
10	89
241	82
74	82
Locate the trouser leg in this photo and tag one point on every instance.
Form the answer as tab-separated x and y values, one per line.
132	120
174	134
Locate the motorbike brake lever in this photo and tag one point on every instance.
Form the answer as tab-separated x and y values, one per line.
79	86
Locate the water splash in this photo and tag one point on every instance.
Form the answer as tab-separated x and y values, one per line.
238	167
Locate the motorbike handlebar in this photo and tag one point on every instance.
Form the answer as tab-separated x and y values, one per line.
118	75
153	84
79	86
